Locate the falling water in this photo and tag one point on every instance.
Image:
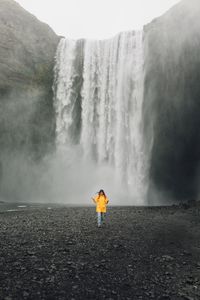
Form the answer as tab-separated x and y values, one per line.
98	100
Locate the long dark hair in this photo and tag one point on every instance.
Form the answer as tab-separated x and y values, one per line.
102	191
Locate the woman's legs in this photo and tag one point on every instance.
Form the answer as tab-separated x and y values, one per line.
99	218
103	216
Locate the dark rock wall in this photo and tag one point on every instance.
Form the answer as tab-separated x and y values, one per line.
27	119
27	50
172	101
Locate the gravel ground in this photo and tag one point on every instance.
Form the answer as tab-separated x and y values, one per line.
139	253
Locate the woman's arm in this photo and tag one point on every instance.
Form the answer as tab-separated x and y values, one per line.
93	200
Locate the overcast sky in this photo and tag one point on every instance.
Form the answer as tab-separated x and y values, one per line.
96	19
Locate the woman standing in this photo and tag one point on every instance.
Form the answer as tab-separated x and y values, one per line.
101	201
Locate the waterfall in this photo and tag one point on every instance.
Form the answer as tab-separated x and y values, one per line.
98	98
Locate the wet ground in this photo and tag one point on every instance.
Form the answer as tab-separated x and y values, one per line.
139	253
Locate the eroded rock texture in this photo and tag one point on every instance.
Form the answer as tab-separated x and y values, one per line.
27	50
172	100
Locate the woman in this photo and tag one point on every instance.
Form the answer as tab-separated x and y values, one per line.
101	201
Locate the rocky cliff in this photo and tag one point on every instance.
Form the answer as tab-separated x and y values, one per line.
27	50
172	100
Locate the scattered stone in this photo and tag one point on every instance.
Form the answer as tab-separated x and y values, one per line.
187	253
36	260
167	258
30	253
25	294
185	297
41	269
70	243
75	287
164	297
198	265
114	292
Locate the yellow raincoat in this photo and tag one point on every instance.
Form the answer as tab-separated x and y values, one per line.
101	202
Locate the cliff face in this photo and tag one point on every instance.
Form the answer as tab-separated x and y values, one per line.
172	100
27	50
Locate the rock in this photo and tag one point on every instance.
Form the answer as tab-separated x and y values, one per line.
190	280
75	287
30	252
172	60
185	297
114	292
187	253
25	294
167	258
104	272
198	265
41	269
70	243
168	274
27	51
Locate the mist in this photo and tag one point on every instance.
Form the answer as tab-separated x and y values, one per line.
56	179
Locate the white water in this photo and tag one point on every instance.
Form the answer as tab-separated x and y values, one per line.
100	84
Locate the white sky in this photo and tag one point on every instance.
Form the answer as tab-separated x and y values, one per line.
96	19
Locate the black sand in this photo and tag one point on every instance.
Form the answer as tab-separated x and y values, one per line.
140	253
